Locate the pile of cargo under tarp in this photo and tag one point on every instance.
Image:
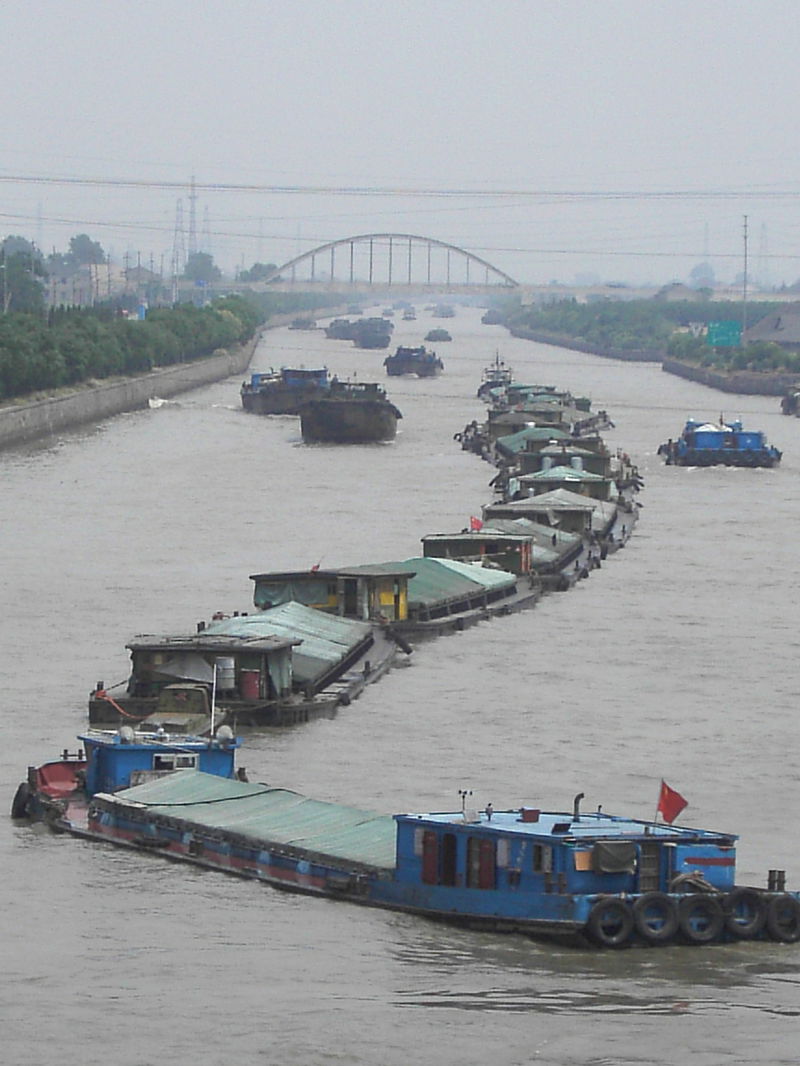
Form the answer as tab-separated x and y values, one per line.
329	641
444	586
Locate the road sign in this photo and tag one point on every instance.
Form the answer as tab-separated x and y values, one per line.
726	334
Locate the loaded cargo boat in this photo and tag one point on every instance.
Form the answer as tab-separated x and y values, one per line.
419	361
349	412
595	878
282	392
721	444
281	666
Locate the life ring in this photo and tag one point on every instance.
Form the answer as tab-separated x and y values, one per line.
655	917
701	918
745	913
610	923
783	919
19	804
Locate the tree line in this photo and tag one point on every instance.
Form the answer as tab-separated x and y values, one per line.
75	345
43	349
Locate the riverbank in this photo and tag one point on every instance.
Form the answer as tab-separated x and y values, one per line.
747	382
21	423
561	340
743	382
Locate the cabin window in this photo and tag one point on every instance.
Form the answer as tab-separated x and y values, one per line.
481	863
174	762
542	859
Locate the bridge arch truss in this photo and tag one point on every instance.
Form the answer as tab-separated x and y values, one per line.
395	259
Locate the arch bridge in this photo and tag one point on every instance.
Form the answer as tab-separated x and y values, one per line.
393	259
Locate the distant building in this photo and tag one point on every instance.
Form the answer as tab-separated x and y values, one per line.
779	327
676	291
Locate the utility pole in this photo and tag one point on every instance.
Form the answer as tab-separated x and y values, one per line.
192	218
744	285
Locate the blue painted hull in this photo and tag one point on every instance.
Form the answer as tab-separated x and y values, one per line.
547	915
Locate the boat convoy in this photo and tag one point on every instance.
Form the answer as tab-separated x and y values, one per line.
162	776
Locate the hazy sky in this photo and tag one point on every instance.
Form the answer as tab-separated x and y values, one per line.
535	107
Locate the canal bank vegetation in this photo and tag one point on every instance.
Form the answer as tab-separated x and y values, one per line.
68	347
666	329
61	327
71	346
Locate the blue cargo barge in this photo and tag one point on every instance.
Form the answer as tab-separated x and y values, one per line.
721	444
590	877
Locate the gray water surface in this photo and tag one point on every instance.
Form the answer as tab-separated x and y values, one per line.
678	659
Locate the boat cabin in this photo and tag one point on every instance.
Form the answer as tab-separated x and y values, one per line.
243	667
521	852
377	591
572	477
126	757
563	510
564	454
530	439
509	551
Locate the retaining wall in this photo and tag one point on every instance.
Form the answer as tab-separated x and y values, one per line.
24	422
746	382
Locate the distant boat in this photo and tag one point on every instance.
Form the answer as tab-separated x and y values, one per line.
349	413
340	329
372	333
417	361
282	392
439	335
303	323
719	444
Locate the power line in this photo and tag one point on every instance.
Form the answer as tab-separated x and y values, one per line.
396	191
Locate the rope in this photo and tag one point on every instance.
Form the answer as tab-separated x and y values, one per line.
203	803
103	695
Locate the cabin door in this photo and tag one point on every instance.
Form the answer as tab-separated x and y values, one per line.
351	597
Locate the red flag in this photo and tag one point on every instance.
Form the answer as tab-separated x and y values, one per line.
314	568
670	803
475	524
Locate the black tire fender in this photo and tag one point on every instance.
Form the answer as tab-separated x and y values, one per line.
783	918
610	923
745	913
19	804
701	918
655	917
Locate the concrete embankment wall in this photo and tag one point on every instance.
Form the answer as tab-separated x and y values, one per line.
26	422
21	423
747	382
632	355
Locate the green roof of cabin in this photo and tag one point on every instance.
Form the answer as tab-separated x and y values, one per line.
439	580
326	638
562	473
515	442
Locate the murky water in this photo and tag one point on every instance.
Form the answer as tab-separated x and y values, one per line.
678	659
